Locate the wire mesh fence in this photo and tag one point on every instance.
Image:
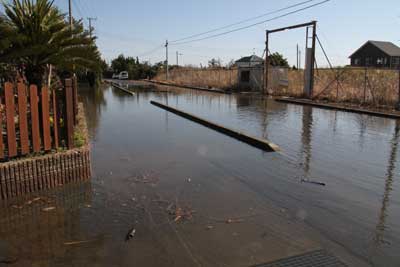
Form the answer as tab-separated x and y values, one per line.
379	87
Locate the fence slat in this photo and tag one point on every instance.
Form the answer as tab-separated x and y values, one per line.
70	113
35	118
46	119
1	135
10	111
23	118
55	120
75	95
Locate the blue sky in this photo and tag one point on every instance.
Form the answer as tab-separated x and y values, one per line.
135	27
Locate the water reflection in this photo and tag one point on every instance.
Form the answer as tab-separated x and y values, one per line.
36	230
95	103
306	136
380	228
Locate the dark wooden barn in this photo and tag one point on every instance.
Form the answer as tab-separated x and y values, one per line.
377	54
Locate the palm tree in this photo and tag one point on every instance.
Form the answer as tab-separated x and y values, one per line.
36	36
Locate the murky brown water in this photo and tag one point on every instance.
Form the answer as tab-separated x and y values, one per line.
146	161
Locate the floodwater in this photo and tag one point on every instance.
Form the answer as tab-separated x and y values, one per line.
198	198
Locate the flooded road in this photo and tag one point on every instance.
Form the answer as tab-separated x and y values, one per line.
198	198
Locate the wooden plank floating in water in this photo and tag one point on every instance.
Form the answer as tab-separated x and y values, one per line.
251	140
312	103
123	89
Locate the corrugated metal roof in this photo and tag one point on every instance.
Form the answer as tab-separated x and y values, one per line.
387	47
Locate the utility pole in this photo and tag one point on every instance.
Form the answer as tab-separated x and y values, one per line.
70	14
266	63
177	57
166	60
90	25
299	59
314	36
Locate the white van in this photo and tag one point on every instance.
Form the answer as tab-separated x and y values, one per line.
123	75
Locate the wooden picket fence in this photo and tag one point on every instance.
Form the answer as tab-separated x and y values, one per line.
36	120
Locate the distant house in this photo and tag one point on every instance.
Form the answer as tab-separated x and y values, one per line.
377	54
249	61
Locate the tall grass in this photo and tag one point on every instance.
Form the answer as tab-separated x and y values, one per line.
218	78
376	87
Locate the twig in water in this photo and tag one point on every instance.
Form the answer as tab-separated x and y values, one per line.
78	242
312	182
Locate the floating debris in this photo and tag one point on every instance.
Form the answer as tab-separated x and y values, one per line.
209	227
229	221
179	213
8	261
146	178
78	242
312	182
130	234
48	209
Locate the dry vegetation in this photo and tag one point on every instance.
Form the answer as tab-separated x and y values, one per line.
81	137
208	78
376	87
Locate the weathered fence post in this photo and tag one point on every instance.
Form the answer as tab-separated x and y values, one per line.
1	135
23	118
69	120
55	118
46	118
75	96
10	110
365	84
34	101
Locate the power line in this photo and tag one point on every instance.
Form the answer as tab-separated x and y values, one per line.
254	24
78	8
243	21
86	8
90	25
152	51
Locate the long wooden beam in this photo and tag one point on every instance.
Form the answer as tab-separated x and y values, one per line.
250	140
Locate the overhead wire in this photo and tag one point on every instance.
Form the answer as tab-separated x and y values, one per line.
151	51
254	24
243	21
78	9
